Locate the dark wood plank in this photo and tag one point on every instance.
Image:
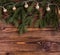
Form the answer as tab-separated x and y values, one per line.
31	36
10	28
7	47
34	53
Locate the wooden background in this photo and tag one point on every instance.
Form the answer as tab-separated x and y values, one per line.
35	42
11	43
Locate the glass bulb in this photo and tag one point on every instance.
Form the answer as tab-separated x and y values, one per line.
14	8
4	10
26	5
59	11
48	8
37	6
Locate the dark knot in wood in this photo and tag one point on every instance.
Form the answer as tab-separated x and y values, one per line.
49	46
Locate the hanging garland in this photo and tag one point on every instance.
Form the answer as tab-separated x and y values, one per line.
24	14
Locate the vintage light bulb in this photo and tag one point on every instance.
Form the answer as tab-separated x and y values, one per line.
26	5
4	10
59	11
48	8
14	8
37	6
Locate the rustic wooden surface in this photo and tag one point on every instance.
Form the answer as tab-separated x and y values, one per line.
11	43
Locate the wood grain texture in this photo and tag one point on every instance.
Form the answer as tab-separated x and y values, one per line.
33	42
34	53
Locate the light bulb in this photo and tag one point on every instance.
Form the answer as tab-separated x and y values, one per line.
4	10
48	8
37	6
59	11
14	8
26	5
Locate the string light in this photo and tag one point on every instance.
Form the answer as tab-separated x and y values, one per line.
14	8
37	6
26	5
48	8
4	10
